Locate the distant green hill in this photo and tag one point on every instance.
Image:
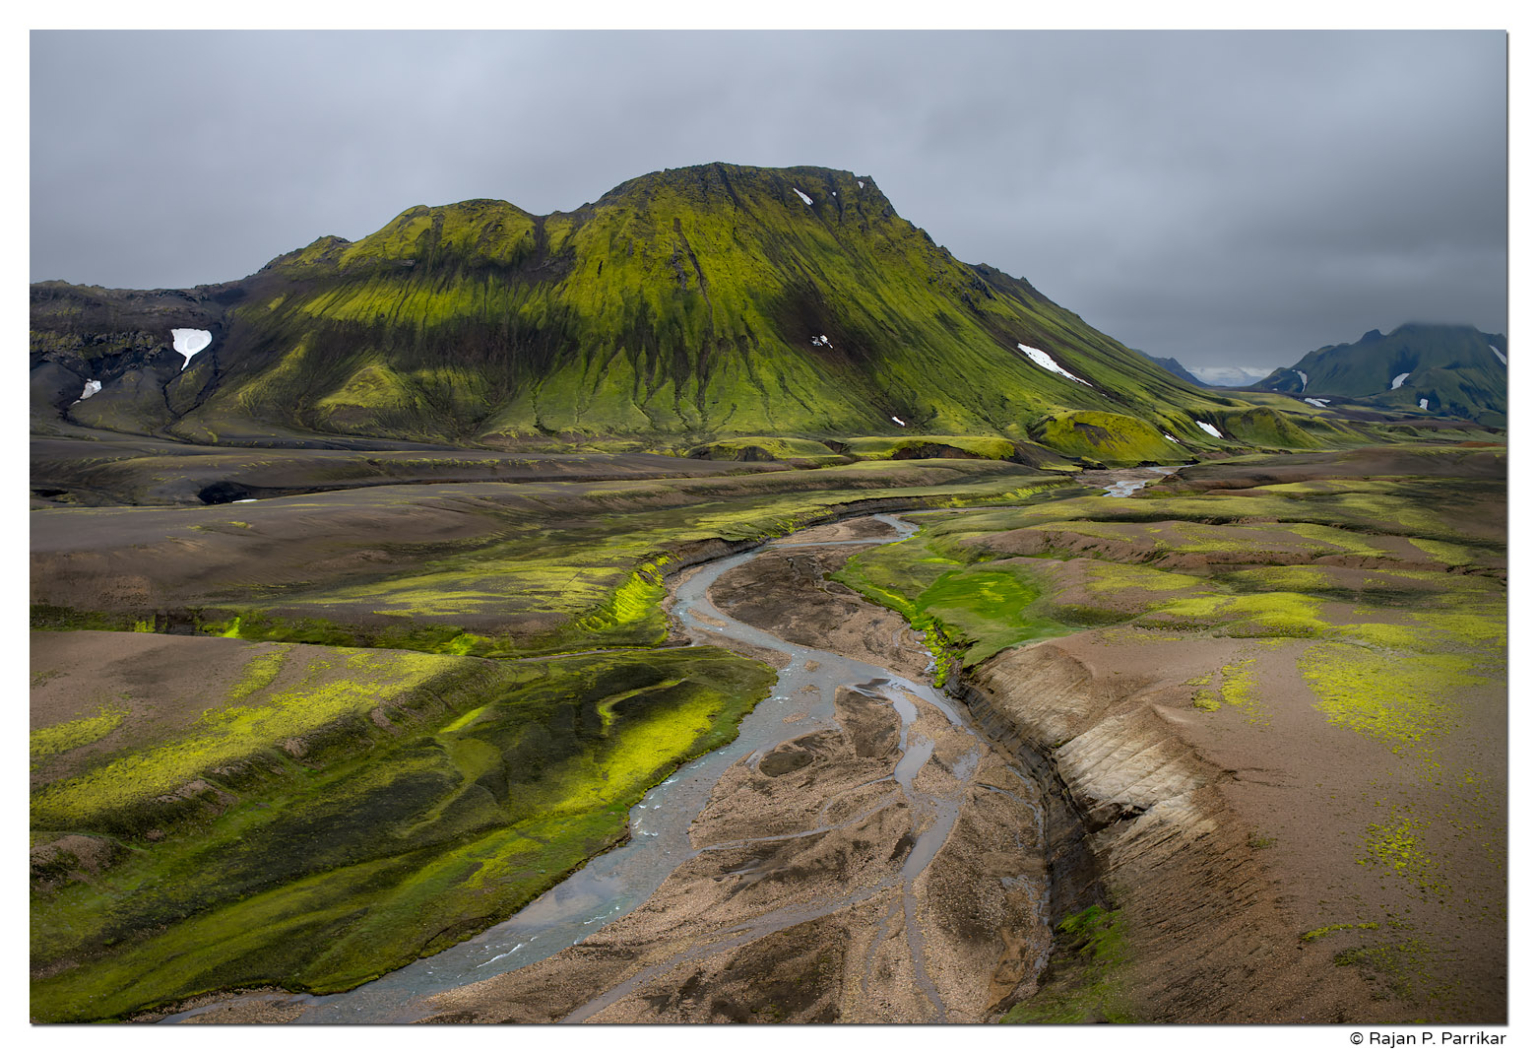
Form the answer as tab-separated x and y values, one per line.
1447	370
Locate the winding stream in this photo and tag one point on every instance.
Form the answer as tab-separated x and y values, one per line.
1127	487
615	883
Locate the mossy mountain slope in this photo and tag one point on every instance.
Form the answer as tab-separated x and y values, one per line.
698	302
1450	370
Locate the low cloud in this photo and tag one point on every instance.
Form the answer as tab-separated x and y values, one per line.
1231	376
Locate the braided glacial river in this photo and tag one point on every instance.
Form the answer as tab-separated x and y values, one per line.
928	792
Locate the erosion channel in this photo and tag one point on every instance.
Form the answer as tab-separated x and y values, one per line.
860	853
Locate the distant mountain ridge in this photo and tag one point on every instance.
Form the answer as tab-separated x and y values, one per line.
1175	367
1447	370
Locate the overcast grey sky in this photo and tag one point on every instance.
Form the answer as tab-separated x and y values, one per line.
1230	199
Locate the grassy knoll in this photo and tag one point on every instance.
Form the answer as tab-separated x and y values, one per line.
314	845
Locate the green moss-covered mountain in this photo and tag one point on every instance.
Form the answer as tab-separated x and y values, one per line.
1447	370
694	303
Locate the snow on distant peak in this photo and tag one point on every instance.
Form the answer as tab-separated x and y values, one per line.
803	195
91	387
1423	404
898	420
189	342
1208	429
1046	362
1303	377
1499	353
1397	381
1319	403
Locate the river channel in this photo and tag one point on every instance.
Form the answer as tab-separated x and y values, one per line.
609	887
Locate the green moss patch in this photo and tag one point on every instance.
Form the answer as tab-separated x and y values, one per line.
1085	986
1329	930
1112	438
117	795
1399	699
1239	689
969	610
340	867
72	734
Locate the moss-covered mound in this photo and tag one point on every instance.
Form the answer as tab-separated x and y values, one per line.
1111	438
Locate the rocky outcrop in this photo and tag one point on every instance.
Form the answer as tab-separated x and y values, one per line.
120	338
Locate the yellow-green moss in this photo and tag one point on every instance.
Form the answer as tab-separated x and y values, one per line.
1329	930
1085	984
259	672
1239	689
1109	437
1397	845
1445	552
228	735
328	874
1264	614
1398	699
1104	576
72	734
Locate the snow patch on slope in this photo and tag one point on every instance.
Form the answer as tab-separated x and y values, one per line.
1499	353
91	387
1423	404
803	195
1319	403
1046	362
898	420
1209	429
1303	377
189	342
1397	381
